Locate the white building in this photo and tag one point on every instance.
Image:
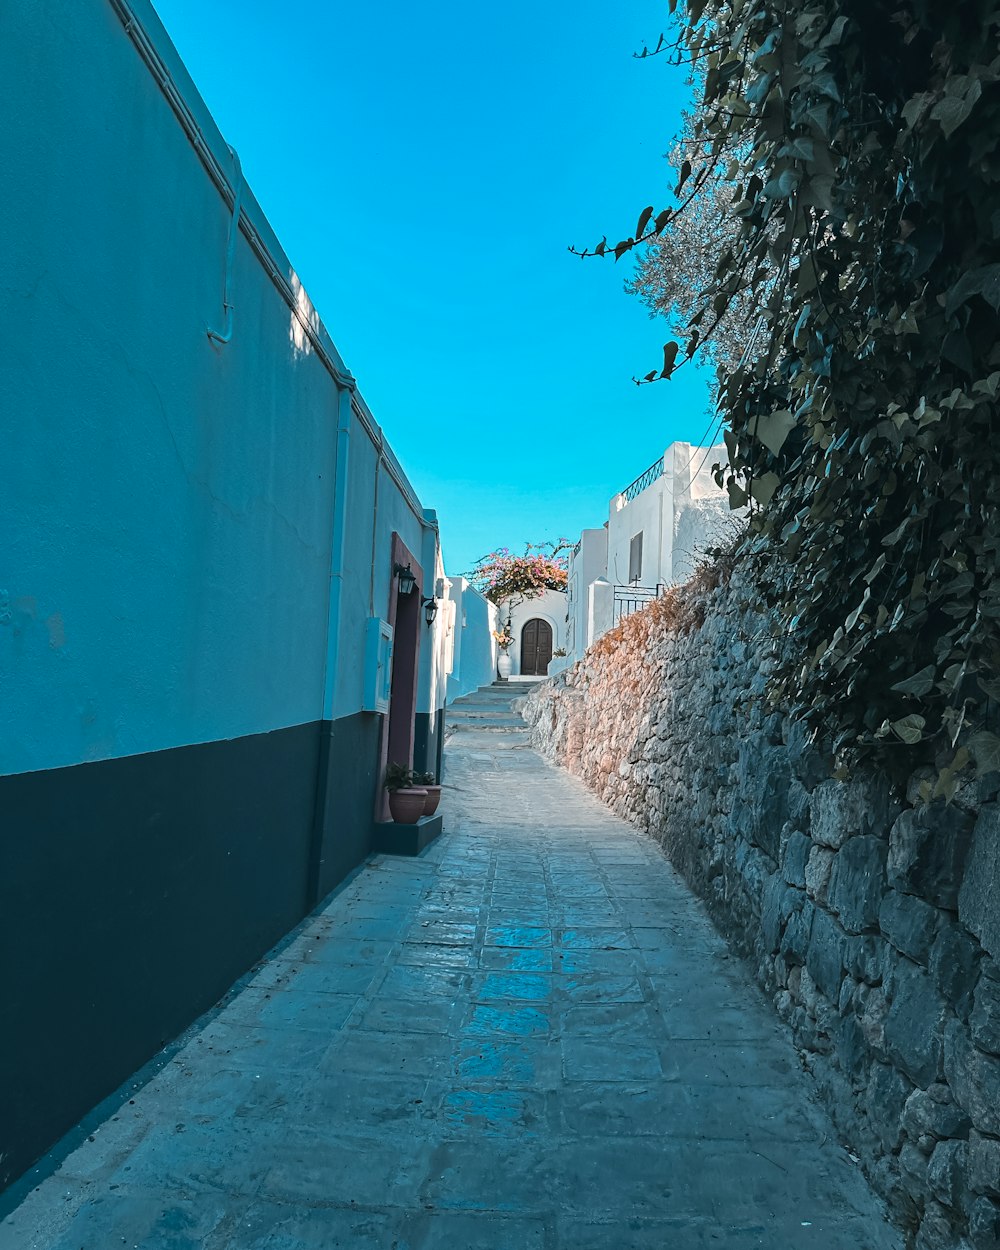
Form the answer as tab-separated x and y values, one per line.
588	563
657	529
472	649
539	627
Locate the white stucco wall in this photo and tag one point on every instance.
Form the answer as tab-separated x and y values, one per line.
588	561
169	502
475	651
678	515
550	606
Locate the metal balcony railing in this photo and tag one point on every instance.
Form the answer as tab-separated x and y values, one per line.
629	599
654	472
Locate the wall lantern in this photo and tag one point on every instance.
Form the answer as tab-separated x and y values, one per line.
430	610
406	578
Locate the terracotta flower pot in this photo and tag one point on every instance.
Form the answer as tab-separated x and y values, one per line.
433	799
406	806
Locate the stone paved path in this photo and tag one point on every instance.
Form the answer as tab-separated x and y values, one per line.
529	1039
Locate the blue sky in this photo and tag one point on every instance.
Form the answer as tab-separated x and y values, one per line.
425	167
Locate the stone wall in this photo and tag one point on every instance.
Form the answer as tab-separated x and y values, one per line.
870	919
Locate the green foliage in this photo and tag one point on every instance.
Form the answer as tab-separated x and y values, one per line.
868	205
399	777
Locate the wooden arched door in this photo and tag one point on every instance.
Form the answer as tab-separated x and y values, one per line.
536	647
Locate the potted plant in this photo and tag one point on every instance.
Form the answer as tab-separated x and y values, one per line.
433	791
406	799
504	638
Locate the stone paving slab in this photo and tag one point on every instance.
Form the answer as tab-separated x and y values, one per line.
528	1038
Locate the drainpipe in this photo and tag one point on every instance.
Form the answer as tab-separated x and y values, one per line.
344	417
225	336
326	758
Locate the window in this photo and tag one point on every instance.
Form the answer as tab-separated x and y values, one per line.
635	559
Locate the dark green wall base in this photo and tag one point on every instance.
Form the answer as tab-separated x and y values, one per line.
134	892
392	838
428	742
345	804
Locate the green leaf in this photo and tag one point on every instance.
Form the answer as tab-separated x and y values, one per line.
919	684
984	281
985	748
737	495
915	108
854	616
763	488
951	112
910	729
773	429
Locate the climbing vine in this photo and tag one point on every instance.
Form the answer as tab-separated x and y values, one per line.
864	434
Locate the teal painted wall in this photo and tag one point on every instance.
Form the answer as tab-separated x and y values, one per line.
185	767
168	501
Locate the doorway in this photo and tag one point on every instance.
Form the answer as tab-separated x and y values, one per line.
536	647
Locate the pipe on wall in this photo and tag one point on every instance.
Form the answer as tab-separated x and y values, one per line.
226	335
345	412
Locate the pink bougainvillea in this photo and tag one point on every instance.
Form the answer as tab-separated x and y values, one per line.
503	577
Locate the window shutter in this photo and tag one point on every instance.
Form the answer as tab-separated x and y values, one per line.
635	559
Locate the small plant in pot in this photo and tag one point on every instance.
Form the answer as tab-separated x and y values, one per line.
433	789
406	798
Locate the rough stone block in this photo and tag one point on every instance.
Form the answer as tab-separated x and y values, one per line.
974	1078
825	955
836	812
984	1224
765	778
937	1230
977	902
864	957
946	1172
798	804
913	1164
810	764
872	1020
795	939
914	1024
927	853
852	1048
954	965
858	883
888	1091
818	870
794	859
984	1164
909	923
777	904
933	1113
985	1018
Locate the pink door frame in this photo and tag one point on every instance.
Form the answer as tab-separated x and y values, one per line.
405	618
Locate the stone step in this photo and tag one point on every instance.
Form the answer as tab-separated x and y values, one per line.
478	709
479	715
491	724
473	702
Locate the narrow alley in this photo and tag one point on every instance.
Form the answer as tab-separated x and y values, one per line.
528	1038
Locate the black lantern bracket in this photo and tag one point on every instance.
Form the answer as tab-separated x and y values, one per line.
407	579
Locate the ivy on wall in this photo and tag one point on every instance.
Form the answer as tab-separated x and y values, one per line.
864	433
